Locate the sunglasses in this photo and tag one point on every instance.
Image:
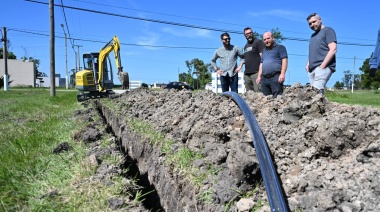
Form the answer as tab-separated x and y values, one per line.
248	33
226	39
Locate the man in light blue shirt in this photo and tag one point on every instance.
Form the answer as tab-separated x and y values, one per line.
228	68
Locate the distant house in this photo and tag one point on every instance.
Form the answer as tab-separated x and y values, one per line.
22	73
45	81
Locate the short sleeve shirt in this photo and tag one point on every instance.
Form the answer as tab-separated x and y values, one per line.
272	59
319	47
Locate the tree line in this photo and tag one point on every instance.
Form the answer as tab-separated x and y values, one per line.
359	81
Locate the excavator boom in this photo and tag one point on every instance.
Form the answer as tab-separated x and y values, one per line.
113	45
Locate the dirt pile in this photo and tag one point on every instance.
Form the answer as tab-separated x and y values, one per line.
327	155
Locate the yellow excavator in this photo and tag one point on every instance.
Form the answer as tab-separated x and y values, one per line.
96	78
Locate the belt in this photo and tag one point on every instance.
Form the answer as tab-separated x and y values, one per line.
271	75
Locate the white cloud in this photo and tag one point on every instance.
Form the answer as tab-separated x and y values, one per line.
285	14
150	40
188	33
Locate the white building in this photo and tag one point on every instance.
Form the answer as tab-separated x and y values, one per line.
217	88
134	84
45	81
21	73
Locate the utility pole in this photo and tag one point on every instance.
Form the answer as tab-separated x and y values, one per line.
52	49
78	56
67	77
5	57
76	62
353	77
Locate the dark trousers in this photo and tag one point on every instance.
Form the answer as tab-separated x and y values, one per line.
227	82
250	82
271	86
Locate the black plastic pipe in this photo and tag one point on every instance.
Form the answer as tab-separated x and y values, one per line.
273	188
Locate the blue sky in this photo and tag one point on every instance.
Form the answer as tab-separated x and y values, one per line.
28	27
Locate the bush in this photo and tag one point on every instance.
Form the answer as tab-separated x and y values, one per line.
2	81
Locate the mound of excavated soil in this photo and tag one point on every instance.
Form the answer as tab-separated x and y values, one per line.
327	155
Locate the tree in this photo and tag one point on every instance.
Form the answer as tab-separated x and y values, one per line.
278	37
2	81
338	85
347	78
182	77
10	54
368	82
198	66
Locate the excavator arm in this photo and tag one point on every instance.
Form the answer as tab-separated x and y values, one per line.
113	45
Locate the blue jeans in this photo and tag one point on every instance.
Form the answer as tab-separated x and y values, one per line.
271	86
374	62
227	82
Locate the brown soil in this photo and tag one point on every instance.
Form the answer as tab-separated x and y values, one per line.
327	155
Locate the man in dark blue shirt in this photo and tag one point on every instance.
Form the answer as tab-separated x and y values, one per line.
274	62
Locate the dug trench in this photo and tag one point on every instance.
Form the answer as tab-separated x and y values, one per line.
195	150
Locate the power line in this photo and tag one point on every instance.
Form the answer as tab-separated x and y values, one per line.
154	46
178	16
184	25
67	25
199	19
126	44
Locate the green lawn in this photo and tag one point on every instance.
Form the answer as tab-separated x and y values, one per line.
32	124
358	97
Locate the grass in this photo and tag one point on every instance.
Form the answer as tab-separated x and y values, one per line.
32	178
358	97
33	123
206	196
31	126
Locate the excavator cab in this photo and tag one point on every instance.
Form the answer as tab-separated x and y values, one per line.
91	63
92	83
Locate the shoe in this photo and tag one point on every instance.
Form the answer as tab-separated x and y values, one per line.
372	72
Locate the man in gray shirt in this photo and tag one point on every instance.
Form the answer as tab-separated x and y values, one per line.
322	50
228	69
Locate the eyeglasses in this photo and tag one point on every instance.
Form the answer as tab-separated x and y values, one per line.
226	39
248	33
